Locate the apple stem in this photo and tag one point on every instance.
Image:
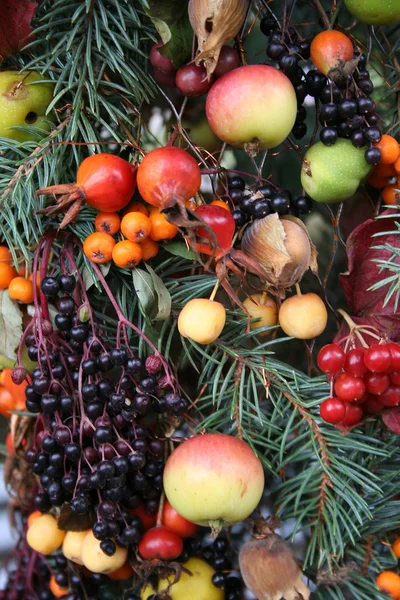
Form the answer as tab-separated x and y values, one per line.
160	510
215	290
216	526
298	290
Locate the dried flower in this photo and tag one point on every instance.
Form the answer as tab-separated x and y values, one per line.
215	22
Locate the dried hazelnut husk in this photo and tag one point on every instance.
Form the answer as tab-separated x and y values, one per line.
270	569
215	22
282	247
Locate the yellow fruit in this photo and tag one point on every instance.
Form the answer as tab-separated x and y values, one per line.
263	308
72	545
44	536
94	558
303	316
197	586
202	320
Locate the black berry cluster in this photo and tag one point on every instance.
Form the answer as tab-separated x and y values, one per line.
265	200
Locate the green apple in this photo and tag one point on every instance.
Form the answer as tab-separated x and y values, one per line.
333	173
375	12
23	102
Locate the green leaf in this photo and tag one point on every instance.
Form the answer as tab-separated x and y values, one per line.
10	325
144	288
163	296
171	19
179	248
89	277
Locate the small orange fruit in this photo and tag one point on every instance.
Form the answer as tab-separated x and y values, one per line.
191	203
378	182
21	290
107	222
385	170
389	582
98	247
391	195
396	547
7	274
149	248
136	226
161	229
7	403
56	589
124	572
220	203
32	517
5	255
127	254
135	207
396	164
389	148
331	49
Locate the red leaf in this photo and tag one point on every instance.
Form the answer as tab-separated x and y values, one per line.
391	418
366	307
15	25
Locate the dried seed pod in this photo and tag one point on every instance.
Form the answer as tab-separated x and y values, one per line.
270	570
282	247
215	22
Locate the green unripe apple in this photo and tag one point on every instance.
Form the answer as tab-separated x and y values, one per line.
23	103
375	12
333	173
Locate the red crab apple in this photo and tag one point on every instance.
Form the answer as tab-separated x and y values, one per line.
253	106
214	479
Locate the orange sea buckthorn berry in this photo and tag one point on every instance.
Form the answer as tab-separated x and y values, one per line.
7	274
107	222
389	582
7	403
56	589
21	290
124	572
161	229
389	148
390	195
378	182
396	164
220	203
98	247
5	255
149	248
385	170
396	547
127	254
135	207
32	517
136	226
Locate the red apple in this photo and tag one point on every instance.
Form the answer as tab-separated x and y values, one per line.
253	106
214	479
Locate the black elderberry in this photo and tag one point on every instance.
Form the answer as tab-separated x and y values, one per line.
95	345
94	410
150	469
62	579
373	156
236	196
218	579
303	204
181	408
45	480
66	283
79	505
49	286
366	86
355	122
89	391
131	535
58	371
275	50
106	469
30	455
316	82
233	595
119	357
74	361
66	305
96	480
347	108
42	502
299	130
74	377
239	218
305	49
373	134
343	129
221	563
137	460
148	384
105	388
63	322
236	183
373	119
104	362
301	114
329	113
84	483
262	208
208	553
121	464
288	63
49	404
221	545
61	561
126	383
280	203
108	547
49	444
32	406
328	136
358	139
247	205
134	365
159	405
366	106
330	94
139	481
68	482
101	530
141	404
301	89
79	333
33	353
267	24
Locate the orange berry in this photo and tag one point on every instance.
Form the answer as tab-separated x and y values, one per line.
5	255
331	49
136	226
21	290
385	170
136	207
7	274
7	403
10	443
56	589
161	229
127	254
389	582
378	182
389	148
17	391
191	203
390	195
107	222
220	203
396	164
32	517
149	248
396	547
124	572
98	247
37	279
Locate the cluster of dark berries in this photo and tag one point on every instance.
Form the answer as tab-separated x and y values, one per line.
92	449
218	555
267	199
288	50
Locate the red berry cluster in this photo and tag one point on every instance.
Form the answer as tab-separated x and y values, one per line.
364	381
